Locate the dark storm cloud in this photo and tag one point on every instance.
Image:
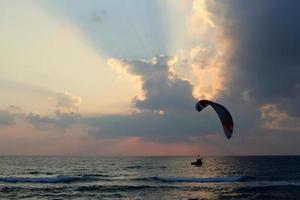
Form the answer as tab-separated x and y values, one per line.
162	90
266	51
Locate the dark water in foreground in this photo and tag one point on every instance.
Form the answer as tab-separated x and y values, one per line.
149	178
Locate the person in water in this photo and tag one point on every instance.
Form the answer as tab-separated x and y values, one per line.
198	161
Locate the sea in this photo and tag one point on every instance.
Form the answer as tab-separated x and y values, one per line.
230	177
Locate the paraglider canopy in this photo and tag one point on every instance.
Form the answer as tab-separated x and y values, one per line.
223	114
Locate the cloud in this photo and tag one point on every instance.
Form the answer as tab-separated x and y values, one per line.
167	128
205	61
6	118
200	21
275	119
206	71
40	122
272	116
161	89
265	49
66	113
58	121
67	102
9	115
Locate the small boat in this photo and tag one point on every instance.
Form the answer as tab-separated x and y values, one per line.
198	162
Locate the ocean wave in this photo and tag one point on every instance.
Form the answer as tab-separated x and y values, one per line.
145	167
119	188
101	177
199	180
157	167
7	189
272	183
134	167
86	188
96	175
38	172
271	179
50	179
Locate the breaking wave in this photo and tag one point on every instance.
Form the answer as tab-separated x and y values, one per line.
51	179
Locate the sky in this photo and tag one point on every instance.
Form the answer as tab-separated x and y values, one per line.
117	77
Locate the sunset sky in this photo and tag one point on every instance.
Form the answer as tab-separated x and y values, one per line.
111	77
